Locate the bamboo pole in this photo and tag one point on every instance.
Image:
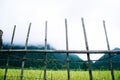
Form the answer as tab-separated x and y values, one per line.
110	57
87	48
45	59
62	51
7	63
67	54
26	44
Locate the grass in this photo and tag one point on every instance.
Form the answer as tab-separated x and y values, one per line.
14	74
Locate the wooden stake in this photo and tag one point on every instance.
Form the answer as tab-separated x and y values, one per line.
7	63
67	54
110	57
26	44
45	59
87	48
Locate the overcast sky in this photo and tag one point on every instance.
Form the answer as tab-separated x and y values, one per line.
22	12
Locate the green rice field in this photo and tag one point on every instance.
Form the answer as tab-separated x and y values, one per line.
29	74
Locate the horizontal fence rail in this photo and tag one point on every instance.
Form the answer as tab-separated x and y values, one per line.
63	51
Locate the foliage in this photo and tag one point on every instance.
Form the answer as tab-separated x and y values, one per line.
103	62
85	66
36	60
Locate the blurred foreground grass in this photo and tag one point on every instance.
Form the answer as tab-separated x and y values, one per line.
29	74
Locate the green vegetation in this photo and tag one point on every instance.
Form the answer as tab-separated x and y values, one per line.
103	62
29	74
35	60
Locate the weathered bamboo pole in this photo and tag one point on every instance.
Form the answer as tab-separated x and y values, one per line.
61	51
87	48
7	63
45	58
110	57
67	54
26	44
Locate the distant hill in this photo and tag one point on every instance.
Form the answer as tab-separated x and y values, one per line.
55	60
103	62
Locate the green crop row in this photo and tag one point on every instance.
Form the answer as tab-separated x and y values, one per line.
14	74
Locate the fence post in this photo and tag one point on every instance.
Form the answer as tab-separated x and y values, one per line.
67	54
45	59
26	44
87	48
1	33
7	63
108	46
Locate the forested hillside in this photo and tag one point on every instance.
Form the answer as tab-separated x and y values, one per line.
36	60
103	62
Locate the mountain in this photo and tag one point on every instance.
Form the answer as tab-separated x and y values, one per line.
36	60
103	62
